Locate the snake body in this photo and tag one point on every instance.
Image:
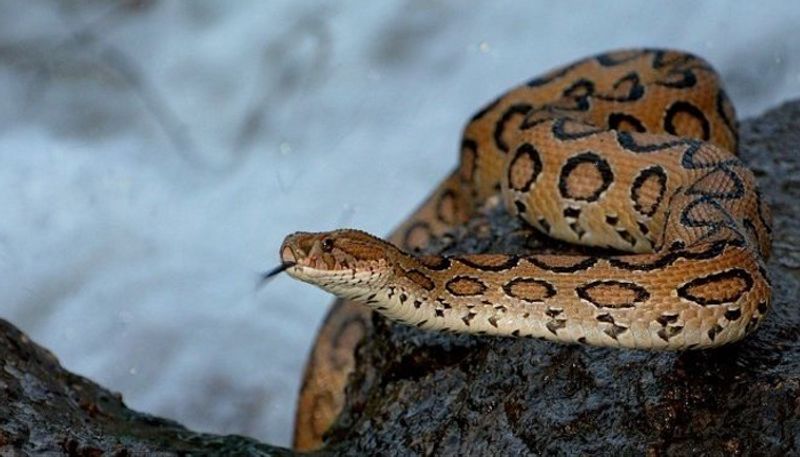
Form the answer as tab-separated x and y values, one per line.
628	150
634	111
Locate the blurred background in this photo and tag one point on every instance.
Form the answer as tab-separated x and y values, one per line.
154	153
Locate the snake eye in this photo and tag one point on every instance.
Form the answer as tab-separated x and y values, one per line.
327	245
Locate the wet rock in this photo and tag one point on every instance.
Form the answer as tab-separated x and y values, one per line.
415	392
46	410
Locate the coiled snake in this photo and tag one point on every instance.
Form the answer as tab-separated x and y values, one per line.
630	150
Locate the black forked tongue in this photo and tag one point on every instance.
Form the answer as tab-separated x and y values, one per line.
276	271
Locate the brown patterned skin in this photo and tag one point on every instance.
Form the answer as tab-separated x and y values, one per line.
332	360
632	150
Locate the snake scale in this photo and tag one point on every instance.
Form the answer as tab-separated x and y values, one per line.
628	150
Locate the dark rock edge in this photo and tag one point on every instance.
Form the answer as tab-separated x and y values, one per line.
46	410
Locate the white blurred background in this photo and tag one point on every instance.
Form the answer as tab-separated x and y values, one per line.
154	153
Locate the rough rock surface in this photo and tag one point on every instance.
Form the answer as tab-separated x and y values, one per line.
415	392
46	410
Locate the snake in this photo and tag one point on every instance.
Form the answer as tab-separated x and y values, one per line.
632	151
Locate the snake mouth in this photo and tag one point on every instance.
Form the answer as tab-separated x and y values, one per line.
289	263
288	255
308	251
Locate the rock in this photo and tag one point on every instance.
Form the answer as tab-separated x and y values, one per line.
415	392
46	410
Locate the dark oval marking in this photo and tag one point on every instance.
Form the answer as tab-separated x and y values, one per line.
525	168
447	207
613	294
646	199
694	112
529	290
580	91
420	279
580	88
679	79
663	58
500	126
566	129
626	89
594	190
718	288
463	286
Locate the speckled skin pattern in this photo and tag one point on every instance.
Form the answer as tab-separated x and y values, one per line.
630	150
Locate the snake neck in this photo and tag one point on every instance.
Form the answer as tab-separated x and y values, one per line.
400	286
396	288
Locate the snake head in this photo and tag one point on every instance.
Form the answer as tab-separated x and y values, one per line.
343	262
